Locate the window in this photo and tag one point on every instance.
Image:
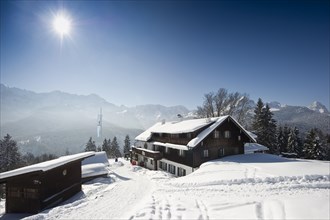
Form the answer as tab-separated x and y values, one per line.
188	135
145	146
167	150
216	134
151	162
227	134
206	153
30	193
221	152
14	192
174	135
239	138
145	160
163	165
181	171
171	169
181	153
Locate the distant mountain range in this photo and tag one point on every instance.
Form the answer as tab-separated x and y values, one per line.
315	115
57	122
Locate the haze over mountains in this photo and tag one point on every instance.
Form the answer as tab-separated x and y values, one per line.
57	122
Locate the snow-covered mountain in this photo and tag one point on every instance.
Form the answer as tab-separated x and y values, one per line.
64	121
318	107
305	118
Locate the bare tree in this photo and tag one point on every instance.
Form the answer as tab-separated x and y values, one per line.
208	104
224	103
242	109
219	100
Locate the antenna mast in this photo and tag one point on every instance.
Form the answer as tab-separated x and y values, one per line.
99	124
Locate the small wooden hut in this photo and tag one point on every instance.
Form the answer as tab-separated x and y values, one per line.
33	188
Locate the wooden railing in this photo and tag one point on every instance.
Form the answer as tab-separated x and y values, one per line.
155	155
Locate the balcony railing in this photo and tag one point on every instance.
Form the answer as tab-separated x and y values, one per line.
148	153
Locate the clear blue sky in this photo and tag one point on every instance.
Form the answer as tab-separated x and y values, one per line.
169	52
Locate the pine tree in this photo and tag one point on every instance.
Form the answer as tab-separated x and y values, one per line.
127	144
10	158
90	146
280	140
115	148
257	118
313	148
294	143
106	147
265	126
269	130
286	133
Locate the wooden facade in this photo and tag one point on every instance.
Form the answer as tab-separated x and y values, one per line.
227	138
34	191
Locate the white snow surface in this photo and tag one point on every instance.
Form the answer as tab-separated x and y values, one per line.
250	186
253	147
99	157
48	165
94	169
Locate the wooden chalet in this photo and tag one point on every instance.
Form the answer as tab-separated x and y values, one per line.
181	147
33	188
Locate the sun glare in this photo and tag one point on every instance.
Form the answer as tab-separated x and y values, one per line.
62	25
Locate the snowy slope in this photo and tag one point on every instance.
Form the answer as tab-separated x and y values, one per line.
254	186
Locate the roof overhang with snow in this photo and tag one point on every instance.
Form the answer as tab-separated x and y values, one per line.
176	127
190	126
45	166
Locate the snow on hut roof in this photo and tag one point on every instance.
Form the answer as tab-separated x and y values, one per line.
175	127
47	165
99	157
253	147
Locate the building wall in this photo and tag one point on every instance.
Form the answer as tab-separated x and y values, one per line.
23	193
187	169
147	162
33	192
231	146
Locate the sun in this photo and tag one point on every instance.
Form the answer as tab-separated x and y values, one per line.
62	24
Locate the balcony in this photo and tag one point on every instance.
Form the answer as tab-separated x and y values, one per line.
156	155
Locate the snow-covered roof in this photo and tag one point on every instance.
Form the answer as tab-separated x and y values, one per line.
189	126
99	157
206	132
253	147
47	165
175	127
175	146
94	169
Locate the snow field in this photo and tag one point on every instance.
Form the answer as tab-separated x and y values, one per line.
259	186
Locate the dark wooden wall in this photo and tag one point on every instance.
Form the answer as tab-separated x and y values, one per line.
33	192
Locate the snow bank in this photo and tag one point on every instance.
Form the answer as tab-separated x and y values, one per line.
256	168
